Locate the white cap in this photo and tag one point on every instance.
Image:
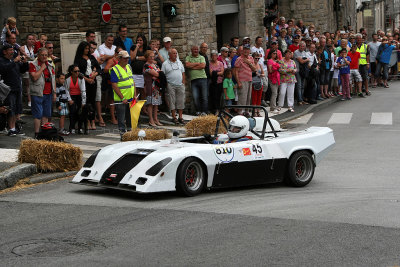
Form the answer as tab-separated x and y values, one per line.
167	39
123	54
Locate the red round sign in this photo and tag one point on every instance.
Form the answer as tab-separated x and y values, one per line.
106	12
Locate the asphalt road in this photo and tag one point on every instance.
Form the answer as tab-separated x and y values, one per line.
349	215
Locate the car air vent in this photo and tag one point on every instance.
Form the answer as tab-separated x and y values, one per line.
142	151
114	174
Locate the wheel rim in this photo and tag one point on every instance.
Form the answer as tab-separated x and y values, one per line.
304	167
194	176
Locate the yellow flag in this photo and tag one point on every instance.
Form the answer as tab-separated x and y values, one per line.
135	112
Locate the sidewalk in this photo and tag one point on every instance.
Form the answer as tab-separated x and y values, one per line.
11	171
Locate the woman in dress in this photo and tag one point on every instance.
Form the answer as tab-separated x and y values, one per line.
89	67
152	89
288	80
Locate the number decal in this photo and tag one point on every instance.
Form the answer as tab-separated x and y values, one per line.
257	149
224	153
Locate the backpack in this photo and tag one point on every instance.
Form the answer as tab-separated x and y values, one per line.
49	132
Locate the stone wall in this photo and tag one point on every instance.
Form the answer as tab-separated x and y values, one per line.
251	18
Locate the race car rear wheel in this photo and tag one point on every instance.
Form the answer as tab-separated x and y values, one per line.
190	177
301	169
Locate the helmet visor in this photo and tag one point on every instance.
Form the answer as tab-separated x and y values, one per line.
235	129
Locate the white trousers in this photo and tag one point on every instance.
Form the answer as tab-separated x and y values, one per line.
288	90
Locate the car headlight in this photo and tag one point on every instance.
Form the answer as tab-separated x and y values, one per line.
90	161
158	167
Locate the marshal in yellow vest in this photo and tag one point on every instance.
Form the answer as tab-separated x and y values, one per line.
126	84
363	54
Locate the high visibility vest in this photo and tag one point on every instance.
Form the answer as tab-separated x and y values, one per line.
126	84
363	54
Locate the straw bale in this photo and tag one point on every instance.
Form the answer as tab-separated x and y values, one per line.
151	134
203	125
50	155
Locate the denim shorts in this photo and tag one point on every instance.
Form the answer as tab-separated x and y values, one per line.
41	106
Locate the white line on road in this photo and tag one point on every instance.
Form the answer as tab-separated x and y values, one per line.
303	119
86	147
340	118
95	140
110	135
384	118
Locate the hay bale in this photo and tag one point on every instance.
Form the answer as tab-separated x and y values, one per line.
151	134
203	125
50	155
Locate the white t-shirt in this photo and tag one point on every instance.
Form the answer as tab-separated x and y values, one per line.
373	50
173	71
104	50
311	57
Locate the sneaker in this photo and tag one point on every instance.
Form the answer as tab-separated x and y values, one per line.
368	93
203	114
198	113
343	99
20	133
72	131
29	104
349	98
64	132
361	95
12	133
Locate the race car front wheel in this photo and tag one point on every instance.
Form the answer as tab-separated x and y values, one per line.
190	177
301	169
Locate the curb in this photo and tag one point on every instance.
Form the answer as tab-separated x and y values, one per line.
42	178
10	177
315	107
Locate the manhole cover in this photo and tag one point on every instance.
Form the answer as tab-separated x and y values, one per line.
55	247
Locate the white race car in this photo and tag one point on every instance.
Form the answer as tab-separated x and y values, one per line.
189	165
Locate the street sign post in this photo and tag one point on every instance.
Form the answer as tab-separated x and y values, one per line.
106	12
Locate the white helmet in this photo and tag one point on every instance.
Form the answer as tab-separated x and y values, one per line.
238	127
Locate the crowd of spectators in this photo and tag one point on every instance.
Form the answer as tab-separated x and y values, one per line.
293	64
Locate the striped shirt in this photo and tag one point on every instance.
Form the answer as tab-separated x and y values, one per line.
244	71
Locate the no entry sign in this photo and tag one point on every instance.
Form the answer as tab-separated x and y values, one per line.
106	12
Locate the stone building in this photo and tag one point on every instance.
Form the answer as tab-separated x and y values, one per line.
211	21
326	15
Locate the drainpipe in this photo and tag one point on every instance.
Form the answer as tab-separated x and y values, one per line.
162	18
148	18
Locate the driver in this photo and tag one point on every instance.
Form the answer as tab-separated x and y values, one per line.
238	129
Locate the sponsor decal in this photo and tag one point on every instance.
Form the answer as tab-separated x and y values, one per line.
113	175
246	151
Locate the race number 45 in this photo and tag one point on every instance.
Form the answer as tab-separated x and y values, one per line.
257	149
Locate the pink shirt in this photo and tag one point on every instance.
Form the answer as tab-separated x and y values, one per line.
245	71
274	76
278	53
218	68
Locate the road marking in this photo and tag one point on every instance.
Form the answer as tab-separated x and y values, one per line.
303	119
340	118
97	141
383	118
110	135
86	147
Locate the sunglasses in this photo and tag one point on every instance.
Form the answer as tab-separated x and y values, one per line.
76	71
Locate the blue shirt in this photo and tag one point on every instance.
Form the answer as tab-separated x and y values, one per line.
344	69
386	53
128	44
326	56
114	77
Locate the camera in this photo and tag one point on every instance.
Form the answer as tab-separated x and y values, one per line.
22	58
80	75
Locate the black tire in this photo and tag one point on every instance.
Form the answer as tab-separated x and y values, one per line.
191	177
300	169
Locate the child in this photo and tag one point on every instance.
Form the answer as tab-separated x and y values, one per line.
39	44
229	94
344	71
63	98
11	27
